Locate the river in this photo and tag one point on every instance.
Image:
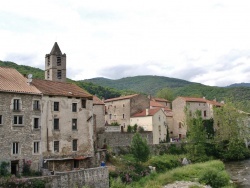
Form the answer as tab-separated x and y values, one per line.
240	172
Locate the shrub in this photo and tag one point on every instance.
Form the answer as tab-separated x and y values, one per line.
4	168
164	162
214	178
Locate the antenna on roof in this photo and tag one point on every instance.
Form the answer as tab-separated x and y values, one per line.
29	78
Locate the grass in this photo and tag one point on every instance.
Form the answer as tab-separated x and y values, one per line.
193	172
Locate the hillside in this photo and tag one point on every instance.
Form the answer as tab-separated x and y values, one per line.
144	84
93	89
107	88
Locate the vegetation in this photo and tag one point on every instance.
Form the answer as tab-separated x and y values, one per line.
4	169
202	172
165	93
139	148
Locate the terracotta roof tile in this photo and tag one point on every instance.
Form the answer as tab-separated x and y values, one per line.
12	81
97	101
160	100
156	104
48	87
121	98
202	100
151	112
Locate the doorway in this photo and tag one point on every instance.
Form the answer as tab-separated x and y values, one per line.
14	167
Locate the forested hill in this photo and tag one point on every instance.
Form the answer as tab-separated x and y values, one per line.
152	84
144	84
100	91
106	88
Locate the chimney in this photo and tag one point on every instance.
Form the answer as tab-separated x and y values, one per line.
147	111
29	78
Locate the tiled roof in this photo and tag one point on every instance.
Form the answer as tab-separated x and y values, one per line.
12	81
151	112
48	87
156	104
121	98
160	100
168	112
201	100
97	101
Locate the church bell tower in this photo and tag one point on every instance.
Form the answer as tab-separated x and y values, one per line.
55	65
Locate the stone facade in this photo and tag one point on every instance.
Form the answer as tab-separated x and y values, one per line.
20	132
192	105
55	65
67	131
114	139
121	109
154	120
92	178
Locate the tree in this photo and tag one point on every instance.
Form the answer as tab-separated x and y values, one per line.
139	148
232	131
165	93
196	147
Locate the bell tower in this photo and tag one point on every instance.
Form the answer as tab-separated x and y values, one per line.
55	65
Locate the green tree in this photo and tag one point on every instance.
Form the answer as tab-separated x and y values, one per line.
165	93
196	147
139	148
232	131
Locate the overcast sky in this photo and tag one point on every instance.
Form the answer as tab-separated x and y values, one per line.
205	41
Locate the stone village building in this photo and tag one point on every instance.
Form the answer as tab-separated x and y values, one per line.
120	109
20	118
49	122
154	120
192	104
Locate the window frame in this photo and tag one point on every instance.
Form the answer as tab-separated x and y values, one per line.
74	124
18	119
36	147
74	145
56	146
83	103
59	74
58	60
36	123
15	148
56	106
74	107
36	105
56	124
1	119
16	104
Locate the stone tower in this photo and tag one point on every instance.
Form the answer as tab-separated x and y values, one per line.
55	65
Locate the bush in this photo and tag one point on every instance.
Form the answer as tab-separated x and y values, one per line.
4	169
164	162
176	150
214	178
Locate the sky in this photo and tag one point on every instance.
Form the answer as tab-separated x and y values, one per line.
204	41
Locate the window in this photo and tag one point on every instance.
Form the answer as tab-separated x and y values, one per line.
48	74
18	120
74	145
36	123
56	146
16	104
123	105
59	74
179	124
159	118
74	124
36	105
74	107
76	164
15	148
56	106
205	113
48	61
123	116
36	147
1	119
58	61
83	103
110	116
56	124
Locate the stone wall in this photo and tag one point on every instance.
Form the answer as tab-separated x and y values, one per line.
93	178
114	139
